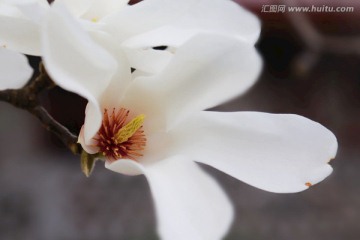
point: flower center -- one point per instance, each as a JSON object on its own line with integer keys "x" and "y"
{"x": 119, "y": 138}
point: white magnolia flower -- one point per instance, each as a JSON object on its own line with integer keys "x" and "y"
{"x": 15, "y": 70}
{"x": 20, "y": 24}
{"x": 136, "y": 28}
{"x": 155, "y": 125}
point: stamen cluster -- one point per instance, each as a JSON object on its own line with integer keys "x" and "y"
{"x": 108, "y": 141}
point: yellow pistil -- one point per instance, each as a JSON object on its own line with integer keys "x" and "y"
{"x": 129, "y": 129}
{"x": 94, "y": 19}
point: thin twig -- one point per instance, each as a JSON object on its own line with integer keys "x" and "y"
{"x": 69, "y": 139}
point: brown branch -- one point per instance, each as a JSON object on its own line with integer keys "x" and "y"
{"x": 27, "y": 98}
{"x": 317, "y": 42}
{"x": 69, "y": 139}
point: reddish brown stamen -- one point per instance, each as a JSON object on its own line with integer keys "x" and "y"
{"x": 106, "y": 137}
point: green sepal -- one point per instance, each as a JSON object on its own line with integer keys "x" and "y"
{"x": 87, "y": 162}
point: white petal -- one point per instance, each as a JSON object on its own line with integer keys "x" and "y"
{"x": 9, "y": 9}
{"x": 275, "y": 152}
{"x": 146, "y": 15}
{"x": 189, "y": 203}
{"x": 205, "y": 72}
{"x": 34, "y": 10}
{"x": 205, "y": 16}
{"x": 150, "y": 60}
{"x": 126, "y": 167}
{"x": 15, "y": 70}
{"x": 88, "y": 147}
{"x": 20, "y": 34}
{"x": 121, "y": 79}
{"x": 101, "y": 9}
{"x": 76, "y": 63}
{"x": 19, "y": 24}
{"x": 19, "y": 2}
{"x": 76, "y": 7}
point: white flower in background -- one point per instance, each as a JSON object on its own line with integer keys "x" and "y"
{"x": 21, "y": 20}
{"x": 20, "y": 24}
{"x": 15, "y": 70}
{"x": 156, "y": 125}
{"x": 136, "y": 29}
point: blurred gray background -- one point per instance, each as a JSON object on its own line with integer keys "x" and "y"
{"x": 45, "y": 196}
